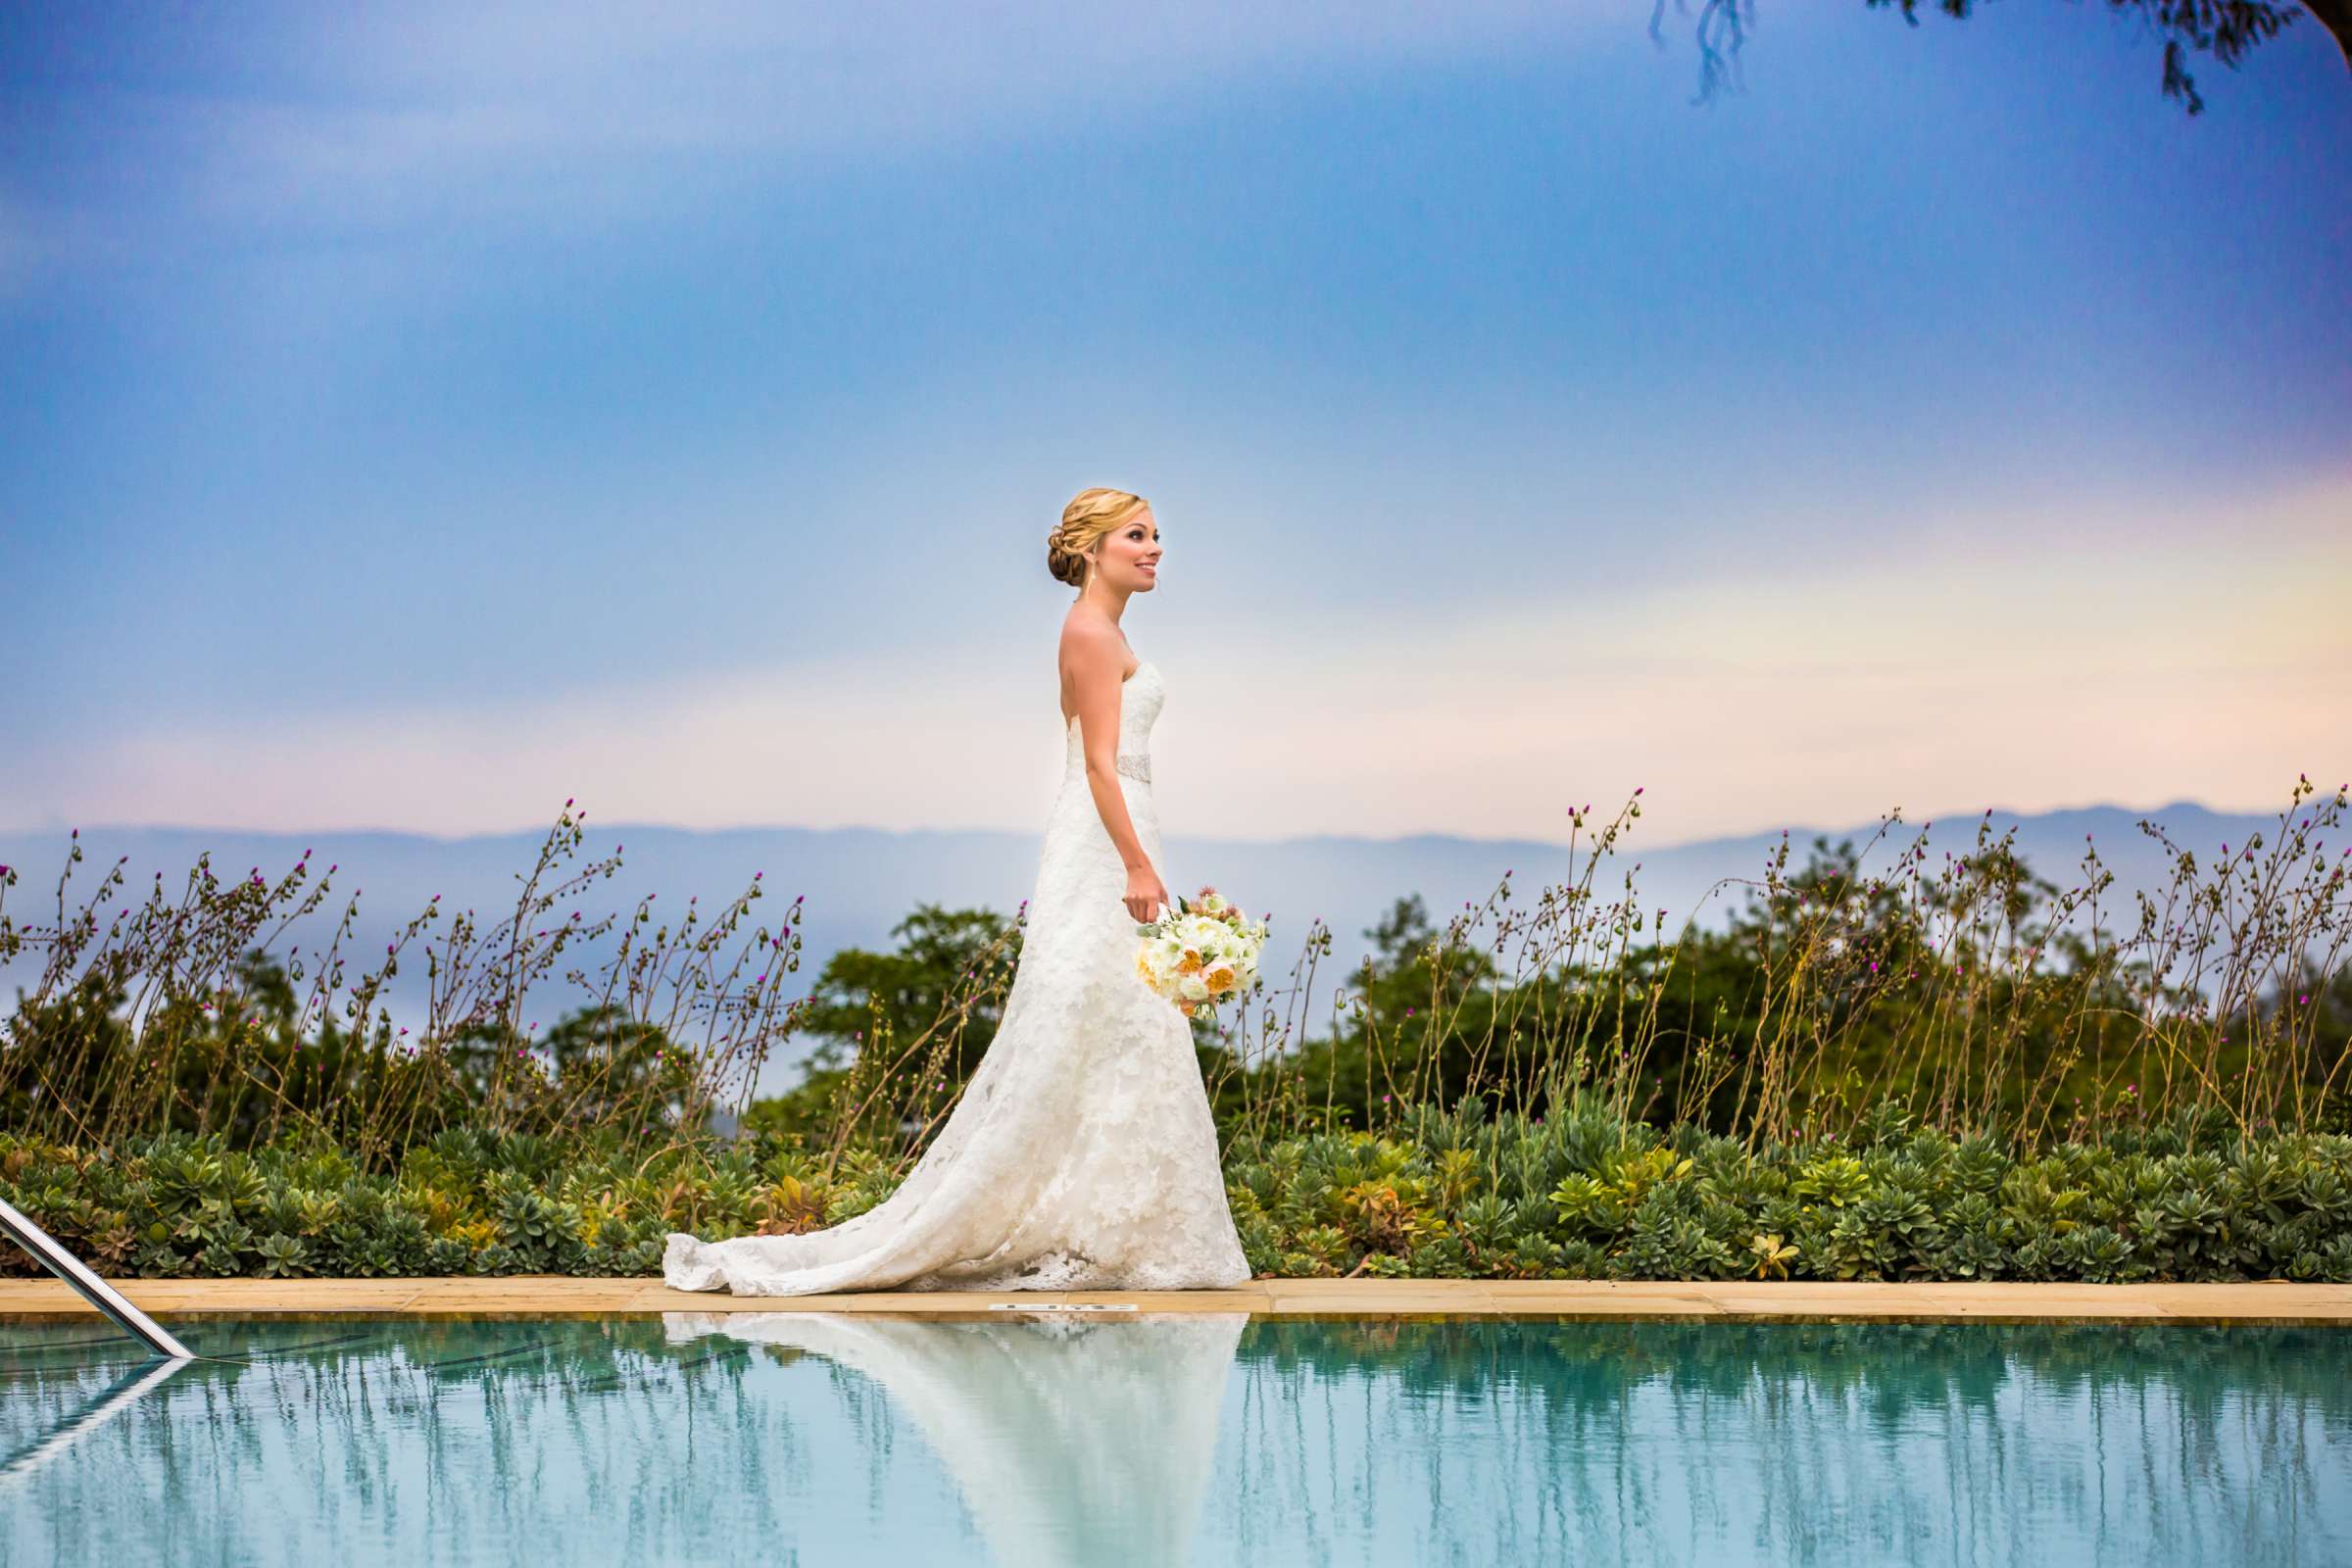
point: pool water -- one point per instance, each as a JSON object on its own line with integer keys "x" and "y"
{"x": 800, "y": 1438}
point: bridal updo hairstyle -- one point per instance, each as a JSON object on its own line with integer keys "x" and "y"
{"x": 1089, "y": 515}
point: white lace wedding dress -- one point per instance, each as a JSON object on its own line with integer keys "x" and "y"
{"x": 1082, "y": 1154}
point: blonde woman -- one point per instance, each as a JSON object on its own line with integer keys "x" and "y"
{"x": 1082, "y": 1154}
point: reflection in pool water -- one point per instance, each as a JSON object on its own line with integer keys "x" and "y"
{"x": 820, "y": 1438}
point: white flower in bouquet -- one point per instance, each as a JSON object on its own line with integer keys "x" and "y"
{"x": 1200, "y": 954}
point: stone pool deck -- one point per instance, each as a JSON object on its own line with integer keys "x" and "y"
{"x": 538, "y": 1295}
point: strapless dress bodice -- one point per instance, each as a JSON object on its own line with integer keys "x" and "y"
{"x": 1139, "y": 697}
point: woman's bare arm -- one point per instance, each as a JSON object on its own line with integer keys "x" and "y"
{"x": 1092, "y": 659}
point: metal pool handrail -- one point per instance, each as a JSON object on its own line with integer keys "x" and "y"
{"x": 93, "y": 1290}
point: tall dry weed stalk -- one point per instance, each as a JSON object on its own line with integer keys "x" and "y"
{"x": 1980, "y": 996}
{"x": 172, "y": 1013}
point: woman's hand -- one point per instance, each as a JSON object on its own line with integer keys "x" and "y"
{"x": 1145, "y": 894}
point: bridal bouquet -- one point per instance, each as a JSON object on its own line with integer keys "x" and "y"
{"x": 1202, "y": 952}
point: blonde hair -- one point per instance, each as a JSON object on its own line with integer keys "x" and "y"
{"x": 1089, "y": 515}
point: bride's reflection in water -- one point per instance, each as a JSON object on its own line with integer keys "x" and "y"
{"x": 1073, "y": 1436}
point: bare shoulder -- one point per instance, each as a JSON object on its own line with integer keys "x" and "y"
{"x": 1090, "y": 644}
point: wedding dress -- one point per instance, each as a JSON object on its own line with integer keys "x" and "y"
{"x": 1082, "y": 1154}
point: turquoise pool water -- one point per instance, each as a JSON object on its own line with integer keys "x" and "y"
{"x": 795, "y": 1438}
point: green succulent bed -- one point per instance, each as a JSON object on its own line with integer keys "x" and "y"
{"x": 1581, "y": 1195}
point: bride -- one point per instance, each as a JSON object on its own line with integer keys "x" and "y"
{"x": 1082, "y": 1154}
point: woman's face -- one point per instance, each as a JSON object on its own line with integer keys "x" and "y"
{"x": 1128, "y": 558}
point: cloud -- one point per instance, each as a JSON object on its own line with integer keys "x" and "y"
{"x": 2129, "y": 655}
{"x": 2064, "y": 673}
{"x": 354, "y": 121}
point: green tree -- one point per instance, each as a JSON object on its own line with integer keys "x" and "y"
{"x": 875, "y": 1005}
{"x": 2217, "y": 29}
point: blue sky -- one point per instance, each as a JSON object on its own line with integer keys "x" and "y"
{"x": 410, "y": 416}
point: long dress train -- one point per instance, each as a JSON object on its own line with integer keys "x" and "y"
{"x": 1082, "y": 1154}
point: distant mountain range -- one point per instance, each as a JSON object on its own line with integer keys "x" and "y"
{"x": 860, "y": 882}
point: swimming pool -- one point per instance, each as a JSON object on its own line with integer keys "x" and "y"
{"x": 803, "y": 1438}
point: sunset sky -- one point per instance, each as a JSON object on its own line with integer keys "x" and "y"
{"x": 413, "y": 415}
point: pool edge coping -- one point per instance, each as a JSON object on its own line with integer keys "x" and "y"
{"x": 2273, "y": 1301}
